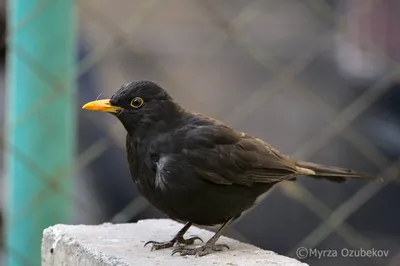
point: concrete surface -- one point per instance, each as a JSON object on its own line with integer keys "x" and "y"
{"x": 122, "y": 245}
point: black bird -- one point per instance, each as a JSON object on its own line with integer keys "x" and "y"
{"x": 196, "y": 169}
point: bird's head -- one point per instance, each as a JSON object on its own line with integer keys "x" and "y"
{"x": 139, "y": 105}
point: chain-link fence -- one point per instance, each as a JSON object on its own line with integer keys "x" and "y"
{"x": 316, "y": 79}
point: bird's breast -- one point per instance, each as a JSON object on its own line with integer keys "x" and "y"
{"x": 171, "y": 182}
{"x": 141, "y": 167}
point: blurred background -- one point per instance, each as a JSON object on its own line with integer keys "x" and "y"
{"x": 318, "y": 79}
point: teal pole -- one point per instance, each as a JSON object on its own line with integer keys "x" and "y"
{"x": 41, "y": 63}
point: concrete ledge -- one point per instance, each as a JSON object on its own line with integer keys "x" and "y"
{"x": 122, "y": 245}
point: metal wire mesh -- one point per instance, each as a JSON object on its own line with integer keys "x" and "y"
{"x": 271, "y": 68}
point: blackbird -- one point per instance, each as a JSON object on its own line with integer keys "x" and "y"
{"x": 196, "y": 169}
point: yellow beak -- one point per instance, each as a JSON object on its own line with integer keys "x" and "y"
{"x": 102, "y": 106}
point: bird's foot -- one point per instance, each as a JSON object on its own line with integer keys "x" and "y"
{"x": 190, "y": 241}
{"x": 167, "y": 244}
{"x": 200, "y": 251}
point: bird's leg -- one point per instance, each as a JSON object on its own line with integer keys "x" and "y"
{"x": 208, "y": 247}
{"x": 178, "y": 239}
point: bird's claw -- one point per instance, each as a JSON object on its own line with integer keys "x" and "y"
{"x": 160, "y": 245}
{"x": 189, "y": 241}
{"x": 167, "y": 244}
{"x": 199, "y": 251}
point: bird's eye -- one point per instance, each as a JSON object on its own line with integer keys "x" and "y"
{"x": 137, "y": 102}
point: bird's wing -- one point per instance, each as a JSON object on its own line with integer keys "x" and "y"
{"x": 222, "y": 155}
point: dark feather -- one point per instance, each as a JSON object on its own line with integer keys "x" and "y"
{"x": 195, "y": 168}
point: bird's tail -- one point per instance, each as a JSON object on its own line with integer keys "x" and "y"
{"x": 334, "y": 174}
